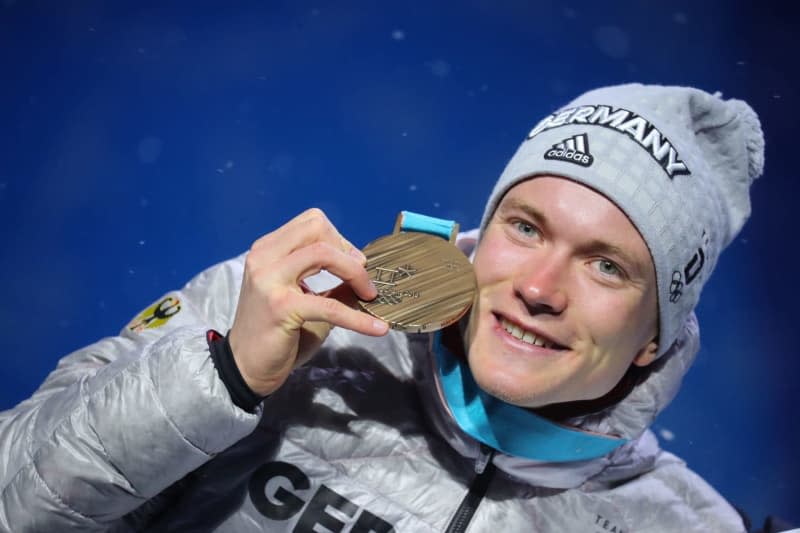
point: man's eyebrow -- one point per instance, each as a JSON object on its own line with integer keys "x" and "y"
{"x": 514, "y": 204}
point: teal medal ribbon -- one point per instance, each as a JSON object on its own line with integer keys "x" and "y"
{"x": 440, "y": 227}
{"x": 509, "y": 428}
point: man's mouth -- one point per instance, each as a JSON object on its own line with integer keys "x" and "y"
{"x": 528, "y": 337}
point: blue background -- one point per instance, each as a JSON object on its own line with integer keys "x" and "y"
{"x": 141, "y": 142}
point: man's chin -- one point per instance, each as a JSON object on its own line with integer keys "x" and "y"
{"x": 506, "y": 388}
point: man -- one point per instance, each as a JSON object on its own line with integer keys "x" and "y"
{"x": 530, "y": 414}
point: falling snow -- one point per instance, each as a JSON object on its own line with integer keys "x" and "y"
{"x": 667, "y": 435}
{"x": 439, "y": 68}
{"x": 398, "y": 35}
{"x": 228, "y": 165}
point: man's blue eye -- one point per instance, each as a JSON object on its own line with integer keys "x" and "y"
{"x": 608, "y": 268}
{"x": 526, "y": 229}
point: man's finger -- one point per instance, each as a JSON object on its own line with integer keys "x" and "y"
{"x": 311, "y": 259}
{"x": 313, "y": 308}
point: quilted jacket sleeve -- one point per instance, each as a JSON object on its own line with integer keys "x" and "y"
{"x": 122, "y": 419}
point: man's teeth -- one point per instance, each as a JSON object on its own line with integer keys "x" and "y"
{"x": 525, "y": 336}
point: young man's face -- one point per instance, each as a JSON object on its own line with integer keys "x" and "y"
{"x": 560, "y": 265}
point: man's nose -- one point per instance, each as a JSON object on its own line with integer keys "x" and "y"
{"x": 542, "y": 285}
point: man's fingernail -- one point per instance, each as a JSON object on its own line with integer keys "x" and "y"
{"x": 380, "y": 326}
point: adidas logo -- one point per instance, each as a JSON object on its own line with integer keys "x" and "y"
{"x": 572, "y": 150}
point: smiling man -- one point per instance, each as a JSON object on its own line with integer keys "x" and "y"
{"x": 567, "y": 297}
{"x": 530, "y": 414}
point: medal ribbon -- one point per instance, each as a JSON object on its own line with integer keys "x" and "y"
{"x": 424, "y": 224}
{"x": 509, "y": 428}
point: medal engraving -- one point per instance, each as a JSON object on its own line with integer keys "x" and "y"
{"x": 424, "y": 282}
{"x": 386, "y": 281}
{"x": 395, "y": 297}
{"x": 387, "y": 277}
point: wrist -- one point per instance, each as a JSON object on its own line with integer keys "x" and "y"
{"x": 242, "y": 392}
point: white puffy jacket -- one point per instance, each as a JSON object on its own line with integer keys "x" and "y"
{"x": 138, "y": 433}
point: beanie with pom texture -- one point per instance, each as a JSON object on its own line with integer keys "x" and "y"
{"x": 677, "y": 161}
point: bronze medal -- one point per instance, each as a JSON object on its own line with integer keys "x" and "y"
{"x": 424, "y": 282}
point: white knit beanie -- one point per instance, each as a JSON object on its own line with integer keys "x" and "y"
{"x": 678, "y": 161}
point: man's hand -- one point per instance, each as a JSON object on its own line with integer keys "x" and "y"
{"x": 279, "y": 326}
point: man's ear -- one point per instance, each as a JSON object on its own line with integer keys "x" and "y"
{"x": 647, "y": 354}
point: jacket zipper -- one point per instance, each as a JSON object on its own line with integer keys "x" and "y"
{"x": 484, "y": 469}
